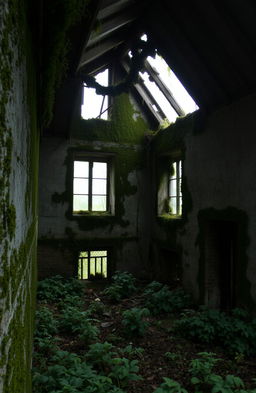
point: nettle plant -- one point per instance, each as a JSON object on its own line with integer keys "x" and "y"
{"x": 54, "y": 289}
{"x": 123, "y": 286}
{"x": 67, "y": 372}
{"x": 165, "y": 301}
{"x": 133, "y": 321}
{"x": 204, "y": 380}
{"x": 235, "y": 332}
{"x": 74, "y": 321}
{"x": 153, "y": 287}
{"x": 121, "y": 370}
{"x": 46, "y": 324}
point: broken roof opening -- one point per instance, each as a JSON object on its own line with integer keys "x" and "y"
{"x": 157, "y": 85}
{"x": 166, "y": 95}
{"x": 95, "y": 105}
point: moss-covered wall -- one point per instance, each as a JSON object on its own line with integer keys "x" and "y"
{"x": 124, "y": 139}
{"x": 18, "y": 197}
{"x": 219, "y": 167}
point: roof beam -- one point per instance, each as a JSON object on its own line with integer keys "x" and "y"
{"x": 114, "y": 8}
{"x": 147, "y": 97}
{"x": 113, "y": 42}
{"x": 111, "y": 25}
{"x": 164, "y": 89}
{"x": 98, "y": 50}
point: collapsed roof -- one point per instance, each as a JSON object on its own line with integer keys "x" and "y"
{"x": 210, "y": 45}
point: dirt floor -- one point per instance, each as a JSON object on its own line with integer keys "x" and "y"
{"x": 155, "y": 343}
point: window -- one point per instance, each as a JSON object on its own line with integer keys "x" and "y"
{"x": 174, "y": 188}
{"x": 90, "y": 186}
{"x": 92, "y": 264}
{"x": 95, "y": 105}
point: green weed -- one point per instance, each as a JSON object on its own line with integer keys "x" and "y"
{"x": 133, "y": 322}
{"x": 204, "y": 380}
{"x": 123, "y": 286}
{"x": 170, "y": 386}
{"x": 235, "y": 332}
{"x": 73, "y": 321}
{"x": 68, "y": 373}
{"x": 172, "y": 356}
{"x": 129, "y": 350}
{"x": 54, "y": 289}
{"x": 46, "y": 324}
{"x": 166, "y": 301}
{"x": 152, "y": 287}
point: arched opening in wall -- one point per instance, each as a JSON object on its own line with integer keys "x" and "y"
{"x": 93, "y": 265}
{"x": 220, "y": 239}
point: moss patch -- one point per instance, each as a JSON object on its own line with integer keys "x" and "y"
{"x": 121, "y": 128}
{"x": 17, "y": 276}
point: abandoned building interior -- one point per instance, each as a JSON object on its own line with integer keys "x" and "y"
{"x": 156, "y": 182}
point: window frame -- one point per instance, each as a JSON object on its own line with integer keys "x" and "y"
{"x": 89, "y": 257}
{"x": 91, "y": 158}
{"x": 178, "y": 195}
{"x": 164, "y": 165}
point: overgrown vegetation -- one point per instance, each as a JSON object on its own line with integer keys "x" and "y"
{"x": 235, "y": 332}
{"x": 82, "y": 347}
{"x": 162, "y": 300}
{"x": 123, "y": 285}
{"x": 134, "y": 322}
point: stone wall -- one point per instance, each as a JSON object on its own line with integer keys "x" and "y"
{"x": 125, "y": 230}
{"x": 215, "y": 236}
{"x": 18, "y": 199}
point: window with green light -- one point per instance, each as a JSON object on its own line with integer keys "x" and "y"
{"x": 93, "y": 264}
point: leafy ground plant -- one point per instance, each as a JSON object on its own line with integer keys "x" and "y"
{"x": 101, "y": 355}
{"x": 236, "y": 332}
{"x": 204, "y": 380}
{"x": 68, "y": 373}
{"x": 166, "y": 301}
{"x": 63, "y": 362}
{"x": 54, "y": 289}
{"x": 72, "y": 320}
{"x": 123, "y": 286}
{"x": 46, "y": 324}
{"x": 170, "y": 386}
{"x": 133, "y": 321}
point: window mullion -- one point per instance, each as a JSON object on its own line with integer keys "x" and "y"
{"x": 89, "y": 263}
{"x": 90, "y": 185}
{"x": 178, "y": 187}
